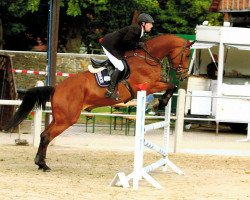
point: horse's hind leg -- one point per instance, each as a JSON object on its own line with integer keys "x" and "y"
{"x": 47, "y": 136}
{"x": 66, "y": 105}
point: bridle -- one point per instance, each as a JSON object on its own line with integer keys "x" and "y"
{"x": 180, "y": 70}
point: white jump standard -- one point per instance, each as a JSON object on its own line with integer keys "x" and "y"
{"x": 139, "y": 171}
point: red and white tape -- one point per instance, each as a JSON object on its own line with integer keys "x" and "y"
{"x": 22, "y": 71}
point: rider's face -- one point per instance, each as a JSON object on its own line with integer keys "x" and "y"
{"x": 148, "y": 27}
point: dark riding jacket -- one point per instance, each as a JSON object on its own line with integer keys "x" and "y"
{"x": 125, "y": 39}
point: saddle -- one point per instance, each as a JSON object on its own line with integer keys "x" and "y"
{"x": 103, "y": 77}
{"x": 100, "y": 63}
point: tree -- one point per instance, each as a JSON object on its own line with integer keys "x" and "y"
{"x": 13, "y": 14}
{"x": 101, "y": 17}
{"x": 82, "y": 22}
{"x": 182, "y": 16}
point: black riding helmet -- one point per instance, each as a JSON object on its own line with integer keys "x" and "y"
{"x": 144, "y": 17}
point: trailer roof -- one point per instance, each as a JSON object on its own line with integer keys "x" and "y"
{"x": 221, "y": 34}
{"x": 202, "y": 45}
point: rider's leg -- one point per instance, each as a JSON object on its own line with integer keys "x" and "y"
{"x": 115, "y": 76}
{"x": 113, "y": 82}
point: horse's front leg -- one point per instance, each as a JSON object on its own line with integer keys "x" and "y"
{"x": 166, "y": 96}
{"x": 169, "y": 89}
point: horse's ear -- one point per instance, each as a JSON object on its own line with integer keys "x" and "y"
{"x": 190, "y": 44}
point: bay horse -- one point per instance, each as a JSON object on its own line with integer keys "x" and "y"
{"x": 81, "y": 91}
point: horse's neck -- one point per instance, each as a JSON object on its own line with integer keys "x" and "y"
{"x": 161, "y": 46}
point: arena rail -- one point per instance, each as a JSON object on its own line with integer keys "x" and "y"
{"x": 38, "y": 117}
{"x": 179, "y": 124}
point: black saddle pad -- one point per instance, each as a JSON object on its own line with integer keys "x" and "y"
{"x": 103, "y": 78}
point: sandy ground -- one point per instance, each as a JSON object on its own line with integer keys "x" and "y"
{"x": 83, "y": 165}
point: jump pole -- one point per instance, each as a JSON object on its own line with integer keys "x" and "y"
{"x": 139, "y": 171}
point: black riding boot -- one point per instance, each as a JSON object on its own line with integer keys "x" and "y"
{"x": 111, "y": 88}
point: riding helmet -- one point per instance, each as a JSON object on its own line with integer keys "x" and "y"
{"x": 144, "y": 17}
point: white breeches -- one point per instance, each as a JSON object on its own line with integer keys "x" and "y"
{"x": 116, "y": 62}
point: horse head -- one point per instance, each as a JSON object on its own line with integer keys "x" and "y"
{"x": 179, "y": 57}
{"x": 175, "y": 48}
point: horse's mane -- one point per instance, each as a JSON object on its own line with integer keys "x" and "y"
{"x": 166, "y": 38}
{"x": 163, "y": 35}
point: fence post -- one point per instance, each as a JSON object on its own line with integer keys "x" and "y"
{"x": 37, "y": 122}
{"x": 167, "y": 129}
{"x": 139, "y": 137}
{"x": 179, "y": 123}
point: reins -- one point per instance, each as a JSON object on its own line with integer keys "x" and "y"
{"x": 155, "y": 59}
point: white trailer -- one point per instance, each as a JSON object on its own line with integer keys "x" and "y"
{"x": 232, "y": 45}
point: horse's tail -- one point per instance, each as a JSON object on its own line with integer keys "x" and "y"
{"x": 34, "y": 97}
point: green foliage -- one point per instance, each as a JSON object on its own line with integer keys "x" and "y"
{"x": 73, "y": 8}
{"x": 183, "y": 15}
{"x": 104, "y": 16}
{"x": 95, "y": 18}
{"x": 16, "y": 28}
{"x": 77, "y": 8}
{"x": 147, "y": 5}
{"x": 33, "y": 5}
{"x": 12, "y": 11}
{"x": 20, "y": 7}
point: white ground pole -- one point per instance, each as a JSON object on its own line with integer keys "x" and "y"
{"x": 140, "y": 171}
{"x": 37, "y": 121}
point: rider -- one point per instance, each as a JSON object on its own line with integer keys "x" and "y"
{"x": 115, "y": 45}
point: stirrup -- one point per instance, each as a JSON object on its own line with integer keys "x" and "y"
{"x": 115, "y": 96}
{"x": 112, "y": 95}
{"x": 108, "y": 93}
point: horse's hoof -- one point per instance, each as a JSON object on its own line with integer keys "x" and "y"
{"x": 46, "y": 169}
